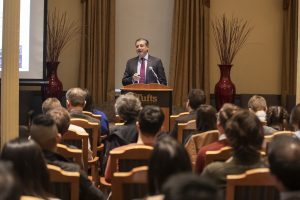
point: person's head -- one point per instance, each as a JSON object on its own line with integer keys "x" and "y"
{"x": 196, "y": 97}
{"x": 283, "y": 156}
{"x": 75, "y": 98}
{"x": 50, "y": 103}
{"x": 244, "y": 133}
{"x": 44, "y": 132}
{"x": 142, "y": 47}
{"x": 295, "y": 117}
{"x": 9, "y": 183}
{"x": 277, "y": 117}
{"x": 61, "y": 118}
{"x": 188, "y": 186}
{"x": 257, "y": 103}
{"x": 29, "y": 166}
{"x": 150, "y": 120}
{"x": 128, "y": 106}
{"x": 206, "y": 118}
{"x": 224, "y": 114}
{"x": 168, "y": 158}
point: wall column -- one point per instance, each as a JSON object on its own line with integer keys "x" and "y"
{"x": 10, "y": 71}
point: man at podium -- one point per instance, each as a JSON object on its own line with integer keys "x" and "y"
{"x": 144, "y": 68}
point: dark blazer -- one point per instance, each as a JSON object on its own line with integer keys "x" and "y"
{"x": 155, "y": 63}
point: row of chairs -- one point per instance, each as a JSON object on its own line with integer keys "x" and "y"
{"x": 253, "y": 184}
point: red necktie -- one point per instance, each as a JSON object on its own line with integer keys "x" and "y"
{"x": 142, "y": 71}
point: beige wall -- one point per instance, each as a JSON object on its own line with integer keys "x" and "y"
{"x": 69, "y": 60}
{"x": 256, "y": 68}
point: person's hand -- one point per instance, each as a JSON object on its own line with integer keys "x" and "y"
{"x": 136, "y": 77}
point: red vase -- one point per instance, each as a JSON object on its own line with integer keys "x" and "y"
{"x": 54, "y": 87}
{"x": 224, "y": 89}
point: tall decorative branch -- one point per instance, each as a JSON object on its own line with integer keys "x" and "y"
{"x": 230, "y": 35}
{"x": 60, "y": 31}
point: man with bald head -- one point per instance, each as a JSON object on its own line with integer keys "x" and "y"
{"x": 284, "y": 160}
{"x": 44, "y": 131}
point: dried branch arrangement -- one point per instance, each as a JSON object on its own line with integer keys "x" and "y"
{"x": 230, "y": 36}
{"x": 60, "y": 31}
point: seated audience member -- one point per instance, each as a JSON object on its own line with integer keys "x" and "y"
{"x": 225, "y": 113}
{"x": 127, "y": 107}
{"x": 44, "y": 132}
{"x": 75, "y": 98}
{"x": 205, "y": 121}
{"x": 10, "y": 188}
{"x": 148, "y": 125}
{"x": 258, "y": 105}
{"x": 89, "y": 106}
{"x": 29, "y": 166}
{"x": 50, "y": 103}
{"x": 188, "y": 186}
{"x": 277, "y": 118}
{"x": 61, "y": 118}
{"x": 168, "y": 158}
{"x": 295, "y": 120}
{"x": 244, "y": 133}
{"x": 196, "y": 98}
{"x": 283, "y": 156}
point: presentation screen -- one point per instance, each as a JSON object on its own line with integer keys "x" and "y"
{"x": 31, "y": 45}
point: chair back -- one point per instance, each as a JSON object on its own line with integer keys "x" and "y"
{"x": 75, "y": 155}
{"x": 185, "y": 130}
{"x": 268, "y": 138}
{"x": 174, "y": 117}
{"x": 199, "y": 140}
{"x": 92, "y": 115}
{"x": 220, "y": 155}
{"x": 253, "y": 184}
{"x": 79, "y": 140}
{"x": 93, "y": 130}
{"x": 130, "y": 185}
{"x": 65, "y": 184}
{"x": 128, "y": 157}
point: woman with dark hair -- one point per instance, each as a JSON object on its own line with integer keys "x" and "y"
{"x": 168, "y": 158}
{"x": 206, "y": 118}
{"x": 277, "y": 118}
{"x": 244, "y": 133}
{"x": 29, "y": 166}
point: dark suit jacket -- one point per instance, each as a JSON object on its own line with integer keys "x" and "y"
{"x": 155, "y": 63}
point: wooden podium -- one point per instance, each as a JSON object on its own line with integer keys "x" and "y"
{"x": 153, "y": 94}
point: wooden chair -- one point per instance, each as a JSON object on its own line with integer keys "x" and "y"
{"x": 125, "y": 159}
{"x": 23, "y": 197}
{"x": 130, "y": 156}
{"x": 59, "y": 176}
{"x": 82, "y": 140}
{"x": 73, "y": 154}
{"x": 268, "y": 138}
{"x": 92, "y": 115}
{"x": 220, "y": 155}
{"x": 130, "y": 185}
{"x": 184, "y": 129}
{"x": 94, "y": 133}
{"x": 253, "y": 184}
{"x": 174, "y": 117}
{"x": 199, "y": 140}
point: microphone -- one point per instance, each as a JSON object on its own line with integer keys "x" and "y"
{"x": 151, "y": 68}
